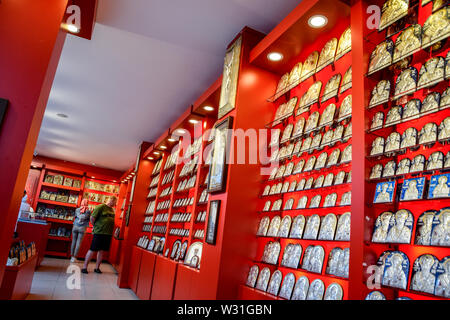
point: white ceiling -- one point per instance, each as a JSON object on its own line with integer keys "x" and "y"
{"x": 148, "y": 60}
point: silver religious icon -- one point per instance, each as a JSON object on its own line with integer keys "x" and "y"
{"x": 275, "y": 137}
{"x": 302, "y": 202}
{"x": 275, "y": 282}
{"x": 381, "y": 57}
{"x": 307, "y": 257}
{"x": 297, "y": 147}
{"x": 401, "y": 227}
{"x": 283, "y": 83}
{"x": 431, "y": 72}
{"x": 440, "y": 235}
{"x": 346, "y": 80}
{"x": 309, "y": 183}
{"x": 338, "y": 133}
{"x": 279, "y": 188}
{"x": 266, "y": 190}
{"x": 287, "y": 133}
{"x": 345, "y": 43}
{"x": 435, "y": 161}
{"x": 377, "y": 121}
{"x": 263, "y": 226}
{"x": 445, "y": 97}
{"x": 316, "y": 260}
{"x": 339, "y": 178}
{"x": 409, "y": 138}
{"x": 315, "y": 201}
{"x": 403, "y": 166}
{"x": 288, "y": 171}
{"x": 279, "y": 114}
{"x": 393, "y": 116}
{"x": 392, "y": 142}
{"x": 442, "y": 286}
{"x": 289, "y": 204}
{"x": 274, "y": 226}
{"x": 297, "y": 227}
{"x": 285, "y": 187}
{"x": 252, "y": 276}
{"x": 343, "y": 267}
{"x": 377, "y": 146}
{"x": 318, "y": 183}
{"x": 327, "y": 115}
{"x": 273, "y": 174}
{"x": 447, "y": 160}
{"x": 309, "y": 166}
{"x": 424, "y": 273}
{"x": 275, "y": 156}
{"x": 294, "y": 75}
{"x": 312, "y": 227}
{"x": 376, "y": 171}
{"x": 309, "y": 66}
{"x": 321, "y": 161}
{"x": 290, "y": 107}
{"x": 280, "y": 172}
{"x": 310, "y": 97}
{"x": 306, "y": 145}
{"x": 301, "y": 185}
{"x": 392, "y": 11}
{"x": 332, "y": 87}
{"x": 327, "y": 54}
{"x": 296, "y": 254}
{"x": 389, "y": 169}
{"x": 292, "y": 186}
{"x": 408, "y": 42}
{"x": 267, "y": 205}
{"x": 436, "y": 28}
{"x": 287, "y": 254}
{"x": 447, "y": 65}
{"x": 396, "y": 270}
{"x": 315, "y": 144}
{"x": 328, "y": 180}
{"x": 301, "y": 289}
{"x": 299, "y": 167}
{"x": 328, "y": 227}
{"x": 346, "y": 199}
{"x": 428, "y": 134}
{"x": 444, "y": 129}
{"x": 347, "y": 154}
{"x": 384, "y": 192}
{"x": 380, "y": 93}
{"x": 431, "y": 103}
{"x": 313, "y": 120}
{"x": 334, "y": 292}
{"x": 417, "y": 164}
{"x": 263, "y": 279}
{"x": 334, "y": 157}
{"x": 277, "y": 205}
{"x": 343, "y": 227}
{"x": 406, "y": 82}
{"x": 333, "y": 261}
{"x": 411, "y": 110}
{"x": 288, "y": 286}
{"x": 316, "y": 290}
{"x": 330, "y": 200}
{"x": 375, "y": 295}
{"x": 285, "y": 226}
{"x": 345, "y": 110}
{"x": 298, "y": 129}
{"x": 327, "y": 138}
{"x": 266, "y": 252}
{"x": 274, "y": 253}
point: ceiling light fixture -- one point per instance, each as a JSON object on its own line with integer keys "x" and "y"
{"x": 171, "y": 140}
{"x": 208, "y": 108}
{"x": 150, "y": 158}
{"x": 180, "y": 131}
{"x": 193, "y": 121}
{"x": 72, "y": 28}
{"x": 62, "y": 115}
{"x": 163, "y": 147}
{"x": 156, "y": 152}
{"x": 275, "y": 56}
{"x": 318, "y": 21}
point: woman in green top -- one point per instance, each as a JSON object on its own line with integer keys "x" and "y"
{"x": 103, "y": 221}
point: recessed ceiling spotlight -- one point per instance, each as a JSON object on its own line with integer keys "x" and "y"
{"x": 193, "y": 121}
{"x": 180, "y": 131}
{"x": 34, "y": 167}
{"x": 318, "y": 21}
{"x": 72, "y": 28}
{"x": 93, "y": 163}
{"x": 62, "y": 115}
{"x": 150, "y": 158}
{"x": 163, "y": 147}
{"x": 208, "y": 108}
{"x": 156, "y": 152}
{"x": 275, "y": 56}
{"x": 93, "y": 177}
{"x": 171, "y": 140}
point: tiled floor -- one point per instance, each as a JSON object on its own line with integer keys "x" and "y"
{"x": 52, "y": 282}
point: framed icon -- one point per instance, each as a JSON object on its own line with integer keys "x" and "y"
{"x": 213, "y": 216}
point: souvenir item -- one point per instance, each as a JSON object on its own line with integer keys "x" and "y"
{"x": 347, "y": 154}
{"x": 327, "y": 138}
{"x": 412, "y": 109}
{"x": 389, "y": 169}
{"x": 279, "y": 188}
{"x": 297, "y": 227}
{"x": 345, "y": 43}
{"x": 289, "y": 204}
{"x": 277, "y": 205}
{"x": 316, "y": 141}
{"x": 334, "y": 292}
{"x": 280, "y": 172}
{"x": 442, "y": 286}
{"x": 380, "y": 94}
{"x": 310, "y": 97}
{"x": 412, "y": 189}
{"x": 302, "y": 202}
{"x": 392, "y": 142}
{"x": 401, "y": 226}
{"x": 376, "y": 171}
{"x": 347, "y": 80}
{"x": 345, "y": 109}
{"x": 183, "y": 250}
{"x": 431, "y": 103}
{"x": 297, "y": 147}
{"x": 334, "y": 258}
{"x": 444, "y": 129}
{"x": 319, "y": 182}
{"x": 328, "y": 227}
{"x": 298, "y": 129}
{"x": 394, "y": 116}
{"x": 377, "y": 146}
{"x": 275, "y": 282}
{"x": 306, "y": 144}
{"x": 447, "y": 160}
{"x": 294, "y": 76}
{"x": 396, "y": 270}
{"x": 283, "y": 83}
{"x": 332, "y": 87}
{"x": 435, "y": 161}
{"x": 431, "y": 72}
{"x": 288, "y": 286}
{"x": 381, "y": 57}
{"x": 289, "y": 169}
{"x": 68, "y": 182}
{"x": 327, "y": 54}
{"x": 346, "y": 199}
{"x": 406, "y": 82}
{"x": 408, "y": 42}
{"x": 327, "y": 115}
{"x": 375, "y": 295}
{"x": 403, "y": 166}
{"x": 392, "y": 11}
{"x": 292, "y": 186}
{"x": 334, "y": 157}
{"x": 230, "y": 78}
{"x": 267, "y": 206}
{"x": 445, "y": 98}
{"x": 348, "y": 131}
{"x": 299, "y": 167}
{"x": 285, "y": 187}
{"x": 330, "y": 200}
{"x": 266, "y": 190}
{"x": 309, "y": 66}
{"x": 301, "y": 289}
{"x": 312, "y": 227}
{"x": 424, "y": 273}
{"x": 440, "y": 235}
{"x": 339, "y": 178}
{"x": 275, "y": 138}
{"x": 252, "y": 276}
{"x": 310, "y": 164}
{"x": 263, "y": 279}
{"x": 328, "y": 180}
{"x": 321, "y": 160}
{"x": 263, "y": 226}
{"x": 343, "y": 228}
{"x": 315, "y": 201}
{"x": 418, "y": 164}
{"x": 338, "y": 133}
{"x": 311, "y": 123}
{"x": 428, "y": 134}
{"x": 384, "y": 192}
{"x": 409, "y": 138}
{"x": 292, "y": 255}
{"x": 316, "y": 290}
{"x": 48, "y": 179}
{"x": 58, "y": 179}
{"x": 436, "y": 28}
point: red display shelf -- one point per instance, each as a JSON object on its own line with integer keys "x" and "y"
{"x": 53, "y": 220}
{"x": 56, "y": 203}
{"x": 56, "y": 238}
{"x": 100, "y": 192}
{"x": 45, "y": 184}
{"x": 16, "y": 283}
{"x": 57, "y": 254}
